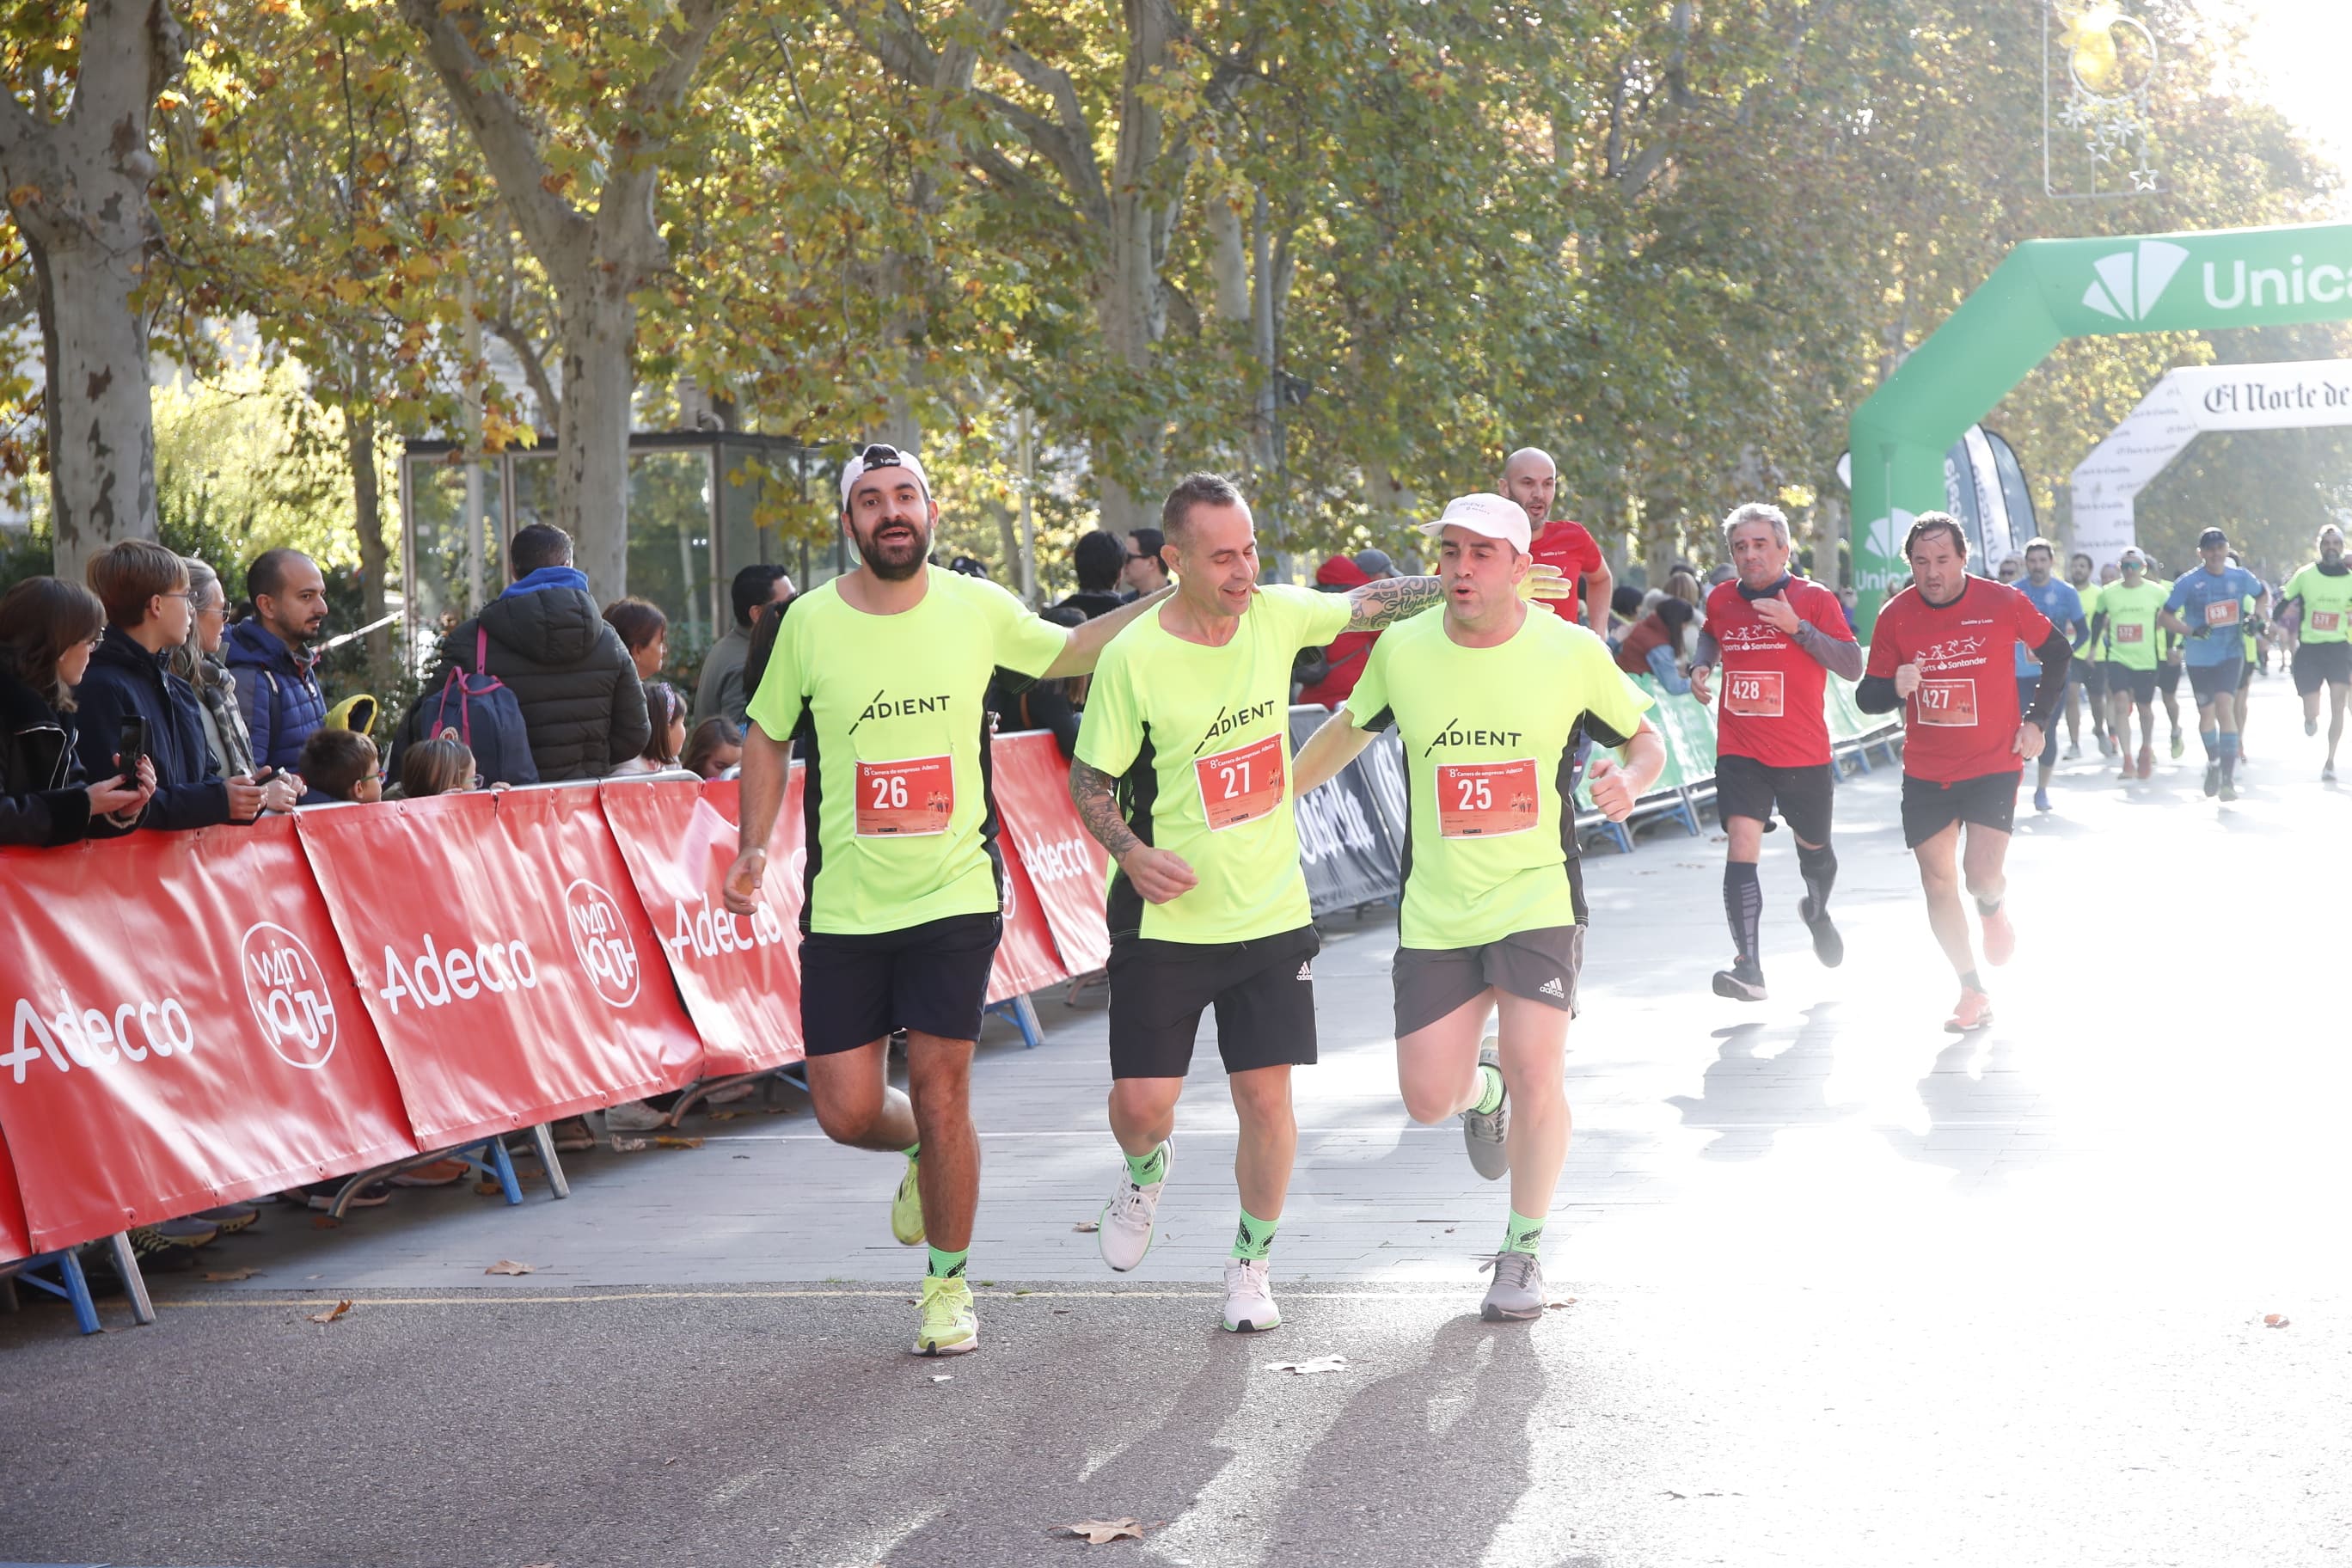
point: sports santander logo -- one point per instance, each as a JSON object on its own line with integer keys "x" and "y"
{"x": 601, "y": 939}
{"x": 288, "y": 991}
{"x": 2127, "y": 284}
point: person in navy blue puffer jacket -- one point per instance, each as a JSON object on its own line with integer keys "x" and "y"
{"x": 268, "y": 654}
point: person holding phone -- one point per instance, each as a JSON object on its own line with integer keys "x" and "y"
{"x": 47, "y": 628}
{"x": 148, "y": 609}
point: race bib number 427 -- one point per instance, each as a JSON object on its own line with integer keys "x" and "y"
{"x": 909, "y": 799}
{"x": 1486, "y": 800}
{"x": 1240, "y": 785}
{"x": 1947, "y": 704}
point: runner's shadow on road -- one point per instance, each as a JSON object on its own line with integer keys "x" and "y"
{"x": 1746, "y": 1099}
{"x": 1973, "y": 1106}
{"x": 1423, "y": 1461}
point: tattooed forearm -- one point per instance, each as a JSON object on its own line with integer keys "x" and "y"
{"x": 1091, "y": 790}
{"x": 1391, "y": 600}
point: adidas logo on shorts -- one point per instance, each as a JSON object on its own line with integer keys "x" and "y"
{"x": 1552, "y": 988}
{"x": 1307, "y": 969}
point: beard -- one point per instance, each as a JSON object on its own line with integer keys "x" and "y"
{"x": 897, "y": 558}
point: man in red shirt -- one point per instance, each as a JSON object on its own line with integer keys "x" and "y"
{"x": 1776, "y": 637}
{"x": 1945, "y": 652}
{"x": 1532, "y": 479}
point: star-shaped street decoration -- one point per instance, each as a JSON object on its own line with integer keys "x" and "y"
{"x": 2143, "y": 180}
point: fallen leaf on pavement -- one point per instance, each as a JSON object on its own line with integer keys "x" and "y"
{"x": 1086, "y": 1226}
{"x": 1103, "y": 1532}
{"x": 508, "y": 1266}
{"x": 2274, "y": 1319}
{"x": 324, "y": 1222}
{"x": 228, "y": 1275}
{"x": 1563, "y": 1301}
{"x": 627, "y": 1145}
{"x": 332, "y": 1313}
{"x": 667, "y": 1142}
{"x": 1320, "y": 1363}
{"x": 728, "y": 1115}
{"x": 489, "y": 1189}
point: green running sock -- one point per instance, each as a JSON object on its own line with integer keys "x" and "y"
{"x": 1145, "y": 1169}
{"x": 1254, "y": 1238}
{"x": 1521, "y": 1234}
{"x": 1490, "y": 1089}
{"x": 914, "y": 1151}
{"x": 947, "y": 1265}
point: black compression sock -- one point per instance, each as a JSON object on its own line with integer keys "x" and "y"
{"x": 1819, "y": 868}
{"x": 1743, "y": 905}
{"x": 1988, "y": 909}
{"x": 1970, "y": 981}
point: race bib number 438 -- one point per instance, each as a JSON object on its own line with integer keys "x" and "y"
{"x": 1754, "y": 693}
{"x": 1486, "y": 800}
{"x": 909, "y": 799}
{"x": 1240, "y": 785}
{"x": 1947, "y": 704}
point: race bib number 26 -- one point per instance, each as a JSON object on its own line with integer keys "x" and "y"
{"x": 1947, "y": 704}
{"x": 911, "y": 799}
{"x": 1240, "y": 785}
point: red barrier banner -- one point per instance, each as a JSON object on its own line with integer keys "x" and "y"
{"x": 1026, "y": 959}
{"x": 741, "y": 977}
{"x": 1068, "y": 870}
{"x": 16, "y": 1236}
{"x": 500, "y": 945}
{"x": 183, "y": 1031}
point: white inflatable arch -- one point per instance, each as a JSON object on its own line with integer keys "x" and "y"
{"x": 2305, "y": 394}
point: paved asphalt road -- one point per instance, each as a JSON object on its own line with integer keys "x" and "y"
{"x": 1837, "y": 1290}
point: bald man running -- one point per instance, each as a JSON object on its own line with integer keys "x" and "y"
{"x": 1531, "y": 478}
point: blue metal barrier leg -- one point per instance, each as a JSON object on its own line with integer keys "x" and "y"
{"x": 502, "y": 1168}
{"x": 85, "y": 1311}
{"x": 1023, "y": 1015}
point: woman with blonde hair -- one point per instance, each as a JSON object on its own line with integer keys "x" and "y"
{"x": 199, "y": 662}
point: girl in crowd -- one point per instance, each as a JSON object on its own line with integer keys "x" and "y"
{"x": 47, "y": 628}
{"x": 714, "y": 751}
{"x": 666, "y": 713}
{"x": 644, "y": 631}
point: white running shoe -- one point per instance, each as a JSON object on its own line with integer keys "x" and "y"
{"x": 1124, "y": 1228}
{"x": 1249, "y": 1297}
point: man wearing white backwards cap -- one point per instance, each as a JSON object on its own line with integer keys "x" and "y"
{"x": 1489, "y": 702}
{"x": 885, "y": 670}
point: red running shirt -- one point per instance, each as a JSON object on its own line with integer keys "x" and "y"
{"x": 1572, "y": 548}
{"x": 1962, "y": 721}
{"x": 1768, "y": 692}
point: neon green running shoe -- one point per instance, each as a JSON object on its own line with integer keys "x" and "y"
{"x": 948, "y": 1325}
{"x": 907, "y": 1210}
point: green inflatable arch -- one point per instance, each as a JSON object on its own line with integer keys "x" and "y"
{"x": 2046, "y": 291}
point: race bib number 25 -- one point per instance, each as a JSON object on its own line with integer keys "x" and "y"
{"x": 1240, "y": 785}
{"x": 909, "y": 799}
{"x": 1486, "y": 800}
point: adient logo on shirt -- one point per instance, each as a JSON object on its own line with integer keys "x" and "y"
{"x": 1456, "y": 733}
{"x": 884, "y": 706}
{"x": 1226, "y": 723}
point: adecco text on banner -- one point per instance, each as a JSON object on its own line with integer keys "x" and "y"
{"x": 92, "y": 1036}
{"x": 438, "y": 978}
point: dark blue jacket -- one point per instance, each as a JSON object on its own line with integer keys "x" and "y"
{"x": 42, "y": 801}
{"x": 125, "y": 679}
{"x": 275, "y": 692}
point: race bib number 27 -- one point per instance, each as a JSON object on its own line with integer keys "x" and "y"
{"x": 1240, "y": 785}
{"x": 909, "y": 799}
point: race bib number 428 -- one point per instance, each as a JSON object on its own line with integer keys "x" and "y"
{"x": 909, "y": 799}
{"x": 1754, "y": 693}
{"x": 1240, "y": 785}
{"x": 1947, "y": 704}
{"x": 1486, "y": 800}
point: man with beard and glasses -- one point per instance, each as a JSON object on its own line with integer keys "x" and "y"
{"x": 884, "y": 675}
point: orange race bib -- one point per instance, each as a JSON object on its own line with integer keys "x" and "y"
{"x": 2222, "y": 612}
{"x": 2130, "y": 631}
{"x": 1754, "y": 693}
{"x": 911, "y": 799}
{"x": 2326, "y": 620}
{"x": 1486, "y": 800}
{"x": 1947, "y": 704}
{"x": 1240, "y": 785}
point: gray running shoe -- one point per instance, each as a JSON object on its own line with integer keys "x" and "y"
{"x": 1484, "y": 1135}
{"x": 1517, "y": 1293}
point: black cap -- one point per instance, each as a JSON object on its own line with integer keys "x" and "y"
{"x": 2212, "y": 537}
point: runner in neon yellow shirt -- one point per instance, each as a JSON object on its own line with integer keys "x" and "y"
{"x": 1489, "y": 702}
{"x": 2125, "y": 637}
{"x": 884, "y": 673}
{"x": 2087, "y": 674}
{"x": 2323, "y": 639}
{"x": 1183, "y": 774}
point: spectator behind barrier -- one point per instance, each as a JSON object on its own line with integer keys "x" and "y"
{"x": 666, "y": 714}
{"x": 645, "y": 632}
{"x": 1651, "y": 646}
{"x": 269, "y": 654}
{"x": 198, "y": 662}
{"x": 715, "y": 750}
{"x": 442, "y": 765}
{"x": 1343, "y": 662}
{"x": 1052, "y": 705}
{"x": 48, "y": 629}
{"x": 144, "y": 588}
{"x": 341, "y": 764}
{"x": 1098, "y": 558}
{"x": 723, "y": 692}
{"x": 584, "y": 706}
{"x": 1147, "y": 570}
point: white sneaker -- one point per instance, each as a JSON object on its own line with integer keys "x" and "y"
{"x": 1249, "y": 1297}
{"x": 635, "y": 1116}
{"x": 1124, "y": 1228}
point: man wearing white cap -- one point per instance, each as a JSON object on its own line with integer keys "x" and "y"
{"x": 1184, "y": 773}
{"x": 884, "y": 672}
{"x": 1490, "y": 702}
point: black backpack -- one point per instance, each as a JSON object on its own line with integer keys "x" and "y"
{"x": 483, "y": 713}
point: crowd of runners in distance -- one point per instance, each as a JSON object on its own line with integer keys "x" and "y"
{"x": 1500, "y": 692}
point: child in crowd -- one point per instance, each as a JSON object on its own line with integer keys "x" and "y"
{"x": 442, "y": 765}
{"x": 715, "y": 750}
{"x": 341, "y": 764}
{"x": 665, "y": 715}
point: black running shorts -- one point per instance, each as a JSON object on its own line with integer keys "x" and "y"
{"x": 1806, "y": 797}
{"x": 1263, "y": 992}
{"x": 932, "y": 977}
{"x": 1928, "y": 807}
{"x": 2140, "y": 683}
{"x": 2167, "y": 678}
{"x": 2206, "y": 681}
{"x": 1540, "y": 965}
{"x": 2318, "y": 664}
{"x": 2091, "y": 672}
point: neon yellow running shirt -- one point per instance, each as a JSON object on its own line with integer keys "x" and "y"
{"x": 2327, "y": 604}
